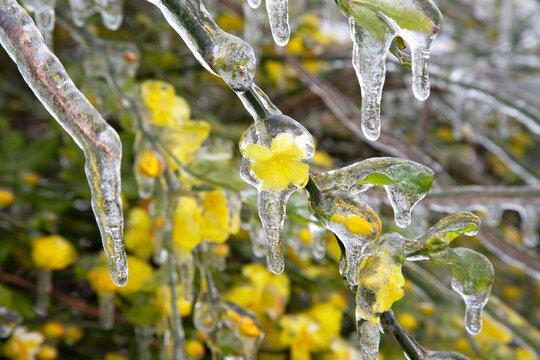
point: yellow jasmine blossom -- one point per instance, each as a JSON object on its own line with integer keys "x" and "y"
{"x": 281, "y": 165}
{"x": 214, "y": 221}
{"x": 47, "y": 352}
{"x": 23, "y": 345}
{"x": 139, "y": 272}
{"x": 187, "y": 218}
{"x": 162, "y": 302}
{"x": 344, "y": 350}
{"x": 114, "y": 356}
{"x": 167, "y": 108}
{"x": 322, "y": 160}
{"x": 53, "y": 330}
{"x": 493, "y": 333}
{"x": 52, "y": 252}
{"x": 328, "y": 317}
{"x": 31, "y": 179}
{"x": 185, "y": 140}
{"x": 73, "y": 334}
{"x": 523, "y": 354}
{"x": 100, "y": 280}
{"x": 381, "y": 284}
{"x": 139, "y": 233}
{"x": 249, "y": 328}
{"x": 354, "y": 223}
{"x": 407, "y": 321}
{"x": 229, "y": 21}
{"x": 6, "y": 198}
{"x": 305, "y": 236}
{"x": 194, "y": 349}
{"x": 298, "y": 331}
{"x": 149, "y": 164}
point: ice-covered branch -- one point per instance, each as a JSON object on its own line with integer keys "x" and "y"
{"x": 102, "y": 148}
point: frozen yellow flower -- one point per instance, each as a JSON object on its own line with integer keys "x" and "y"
{"x": 407, "y": 321}
{"x": 114, "y": 356}
{"x": 139, "y": 272}
{"x": 185, "y": 140}
{"x": 322, "y": 160}
{"x": 149, "y": 164}
{"x": 381, "y": 284}
{"x": 354, "y": 223}
{"x": 264, "y": 294}
{"x": 52, "y": 252}
{"x": 73, "y": 334}
{"x": 167, "y": 108}
{"x": 162, "y": 301}
{"x": 328, "y": 317}
{"x": 186, "y": 230}
{"x": 100, "y": 280}
{"x": 280, "y": 166}
{"x": 23, "y": 345}
{"x": 344, "y": 350}
{"x": 305, "y": 236}
{"x": 47, "y": 352}
{"x": 194, "y": 349}
{"x": 53, "y": 330}
{"x": 6, "y": 198}
{"x": 298, "y": 331}
{"x": 426, "y": 308}
{"x": 214, "y": 221}
{"x": 139, "y": 233}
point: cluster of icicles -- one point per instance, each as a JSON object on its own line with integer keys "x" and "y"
{"x": 335, "y": 195}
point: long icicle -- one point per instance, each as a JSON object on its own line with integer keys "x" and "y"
{"x": 51, "y": 84}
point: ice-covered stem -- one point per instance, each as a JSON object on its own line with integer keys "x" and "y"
{"x": 44, "y": 288}
{"x": 47, "y": 78}
{"x": 221, "y": 53}
{"x": 392, "y": 328}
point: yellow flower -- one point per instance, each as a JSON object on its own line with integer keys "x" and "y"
{"x": 149, "y": 164}
{"x": 322, "y": 160}
{"x": 100, "y": 280}
{"x": 354, "y": 223}
{"x": 407, "y": 321}
{"x": 114, "y": 356}
{"x": 344, "y": 350}
{"x": 214, "y": 223}
{"x": 73, "y": 334}
{"x": 52, "y": 252}
{"x": 298, "y": 332}
{"x": 264, "y": 294}
{"x": 523, "y": 354}
{"x": 184, "y": 140}
{"x": 167, "y": 108}
{"x": 229, "y": 21}
{"x": 139, "y": 272}
{"x": 280, "y": 166}
{"x": 23, "y": 345}
{"x": 139, "y": 233}
{"x": 53, "y": 330}
{"x": 186, "y": 230}
{"x": 6, "y": 198}
{"x": 162, "y": 302}
{"x": 31, "y": 179}
{"x": 47, "y": 352}
{"x": 381, "y": 284}
{"x": 328, "y": 317}
{"x": 305, "y": 236}
{"x": 492, "y": 333}
{"x": 194, "y": 349}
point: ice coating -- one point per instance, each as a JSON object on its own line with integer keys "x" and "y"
{"x": 221, "y": 53}
{"x": 106, "y": 310}
{"x": 318, "y": 246}
{"x": 276, "y": 136}
{"x": 254, "y": 4}
{"x": 253, "y": 32}
{"x": 143, "y": 337}
{"x": 355, "y": 224}
{"x": 529, "y": 224}
{"x": 110, "y": 11}
{"x": 278, "y": 15}
{"x": 206, "y": 312}
{"x": 44, "y": 16}
{"x": 369, "y": 62}
{"x": 101, "y": 145}
{"x": 257, "y": 237}
{"x": 236, "y": 318}
{"x": 474, "y": 304}
{"x": 406, "y": 182}
{"x": 370, "y": 337}
{"x": 9, "y": 319}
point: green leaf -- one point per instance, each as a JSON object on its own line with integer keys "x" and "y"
{"x": 473, "y": 270}
{"x": 142, "y": 314}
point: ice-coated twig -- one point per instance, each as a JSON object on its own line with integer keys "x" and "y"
{"x": 100, "y": 143}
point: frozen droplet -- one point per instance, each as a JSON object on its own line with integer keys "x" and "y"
{"x": 278, "y": 15}
{"x": 272, "y": 214}
{"x": 254, "y": 3}
{"x": 206, "y": 313}
{"x": 474, "y": 304}
{"x": 420, "y": 75}
{"x": 369, "y": 336}
{"x": 529, "y": 224}
{"x": 402, "y": 204}
{"x": 369, "y": 61}
{"x": 100, "y": 143}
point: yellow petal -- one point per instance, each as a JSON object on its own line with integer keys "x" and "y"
{"x": 256, "y": 152}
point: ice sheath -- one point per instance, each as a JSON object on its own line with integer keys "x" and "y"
{"x": 47, "y": 78}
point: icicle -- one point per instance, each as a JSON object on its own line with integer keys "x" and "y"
{"x": 44, "y": 16}
{"x": 9, "y": 319}
{"x": 254, "y": 4}
{"x": 186, "y": 266}
{"x": 143, "y": 338}
{"x": 369, "y": 61}
{"x": 257, "y": 239}
{"x": 369, "y": 336}
{"x": 419, "y": 44}
{"x": 272, "y": 214}
{"x": 147, "y": 166}
{"x": 355, "y": 224}
{"x": 529, "y": 224}
{"x": 219, "y": 52}
{"x": 106, "y": 310}
{"x": 110, "y": 11}
{"x": 44, "y": 289}
{"x": 102, "y": 148}
{"x": 474, "y": 304}
{"x": 278, "y": 15}
{"x": 206, "y": 314}
{"x": 318, "y": 244}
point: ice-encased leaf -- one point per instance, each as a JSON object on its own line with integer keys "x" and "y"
{"x": 406, "y": 182}
{"x": 102, "y": 148}
{"x": 473, "y": 277}
{"x": 446, "y": 230}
